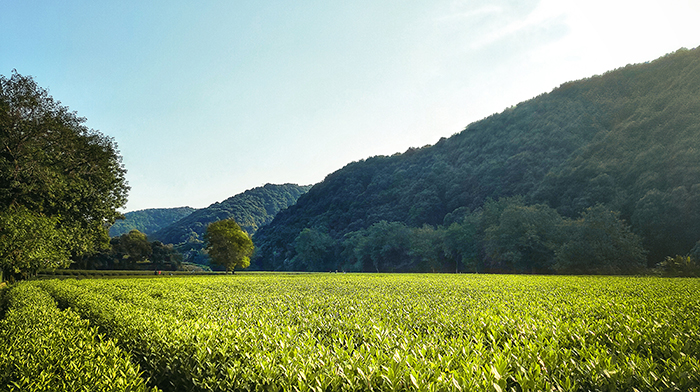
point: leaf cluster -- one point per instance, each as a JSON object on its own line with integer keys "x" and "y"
{"x": 132, "y": 251}
{"x": 504, "y": 236}
{"x": 228, "y": 245}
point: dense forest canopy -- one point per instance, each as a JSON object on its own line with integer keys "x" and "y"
{"x": 61, "y": 183}
{"x": 148, "y": 221}
{"x": 625, "y": 142}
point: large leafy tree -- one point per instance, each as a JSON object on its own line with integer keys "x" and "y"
{"x": 383, "y": 247}
{"x": 68, "y": 178}
{"x": 131, "y": 247}
{"x": 228, "y": 245}
{"x": 525, "y": 237}
{"x": 600, "y": 242}
{"x": 314, "y": 250}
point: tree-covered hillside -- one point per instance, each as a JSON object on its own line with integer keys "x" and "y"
{"x": 627, "y": 140}
{"x": 251, "y": 209}
{"x": 148, "y": 221}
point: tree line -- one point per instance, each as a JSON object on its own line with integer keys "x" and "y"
{"x": 503, "y": 236}
{"x": 131, "y": 251}
{"x": 226, "y": 245}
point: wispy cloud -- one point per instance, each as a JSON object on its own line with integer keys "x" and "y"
{"x": 466, "y": 16}
{"x": 547, "y": 12}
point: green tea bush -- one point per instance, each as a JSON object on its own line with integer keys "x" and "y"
{"x": 337, "y": 332}
{"x": 43, "y": 348}
{"x": 680, "y": 266}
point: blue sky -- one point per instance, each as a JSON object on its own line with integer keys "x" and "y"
{"x": 207, "y": 99}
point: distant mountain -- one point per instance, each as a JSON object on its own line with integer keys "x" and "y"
{"x": 251, "y": 209}
{"x": 149, "y": 220}
{"x": 628, "y": 139}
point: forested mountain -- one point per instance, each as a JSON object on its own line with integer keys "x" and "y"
{"x": 251, "y": 209}
{"x": 148, "y": 221}
{"x": 627, "y": 141}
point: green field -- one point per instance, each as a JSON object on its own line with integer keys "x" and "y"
{"x": 354, "y": 332}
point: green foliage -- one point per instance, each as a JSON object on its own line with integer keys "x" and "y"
{"x": 695, "y": 252}
{"x": 524, "y": 239}
{"x": 504, "y": 236}
{"x": 599, "y": 242}
{"x": 461, "y": 244}
{"x": 228, "y": 245}
{"x": 65, "y": 174}
{"x": 314, "y": 250}
{"x": 668, "y": 221}
{"x": 30, "y": 241}
{"x": 427, "y": 248}
{"x": 383, "y": 247}
{"x": 251, "y": 209}
{"x": 340, "y": 332}
{"x": 133, "y": 251}
{"x": 627, "y": 139}
{"x": 680, "y": 266}
{"x": 43, "y": 348}
{"x": 132, "y": 246}
{"x": 148, "y": 221}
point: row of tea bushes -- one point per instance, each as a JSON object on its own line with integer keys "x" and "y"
{"x": 167, "y": 345}
{"x": 43, "y": 348}
{"x": 80, "y": 274}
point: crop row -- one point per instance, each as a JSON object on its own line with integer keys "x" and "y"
{"x": 328, "y": 332}
{"x": 43, "y": 348}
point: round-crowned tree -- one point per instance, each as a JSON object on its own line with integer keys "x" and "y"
{"x": 57, "y": 176}
{"x": 228, "y": 245}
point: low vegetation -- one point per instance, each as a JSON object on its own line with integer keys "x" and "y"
{"x": 133, "y": 251}
{"x": 335, "y": 332}
{"x": 504, "y": 236}
{"x": 44, "y": 348}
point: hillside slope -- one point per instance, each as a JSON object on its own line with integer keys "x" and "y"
{"x": 148, "y": 221}
{"x": 628, "y": 139}
{"x": 251, "y": 209}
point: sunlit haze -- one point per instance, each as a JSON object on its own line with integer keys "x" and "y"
{"x": 208, "y": 99}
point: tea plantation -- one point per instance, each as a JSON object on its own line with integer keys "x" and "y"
{"x": 352, "y": 332}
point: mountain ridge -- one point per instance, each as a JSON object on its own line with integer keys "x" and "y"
{"x": 620, "y": 139}
{"x": 148, "y": 220}
{"x": 251, "y": 209}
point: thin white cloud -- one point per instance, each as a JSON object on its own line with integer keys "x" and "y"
{"x": 467, "y": 16}
{"x": 547, "y": 12}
